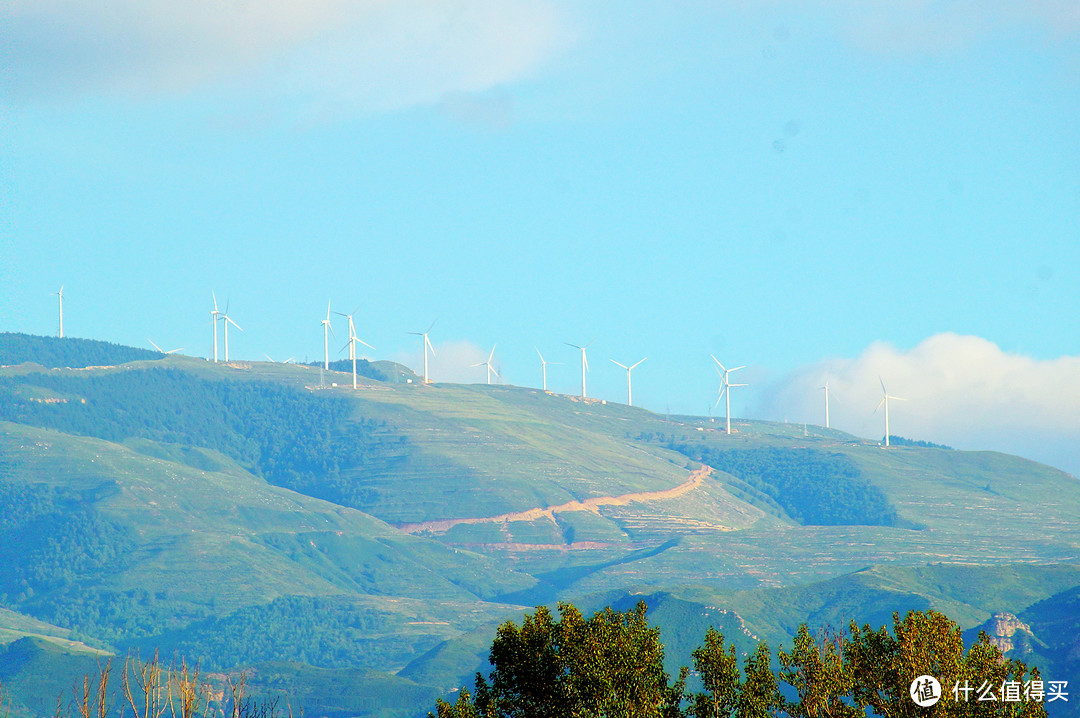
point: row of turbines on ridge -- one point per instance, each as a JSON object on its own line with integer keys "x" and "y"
{"x": 216, "y": 315}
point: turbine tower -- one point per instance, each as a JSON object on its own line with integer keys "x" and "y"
{"x": 427, "y": 346}
{"x": 885, "y": 402}
{"x": 725, "y": 390}
{"x": 490, "y": 369}
{"x": 225, "y": 318}
{"x": 629, "y": 393}
{"x": 543, "y": 366}
{"x": 353, "y": 339}
{"x": 327, "y": 330}
{"x": 60, "y": 299}
{"x": 214, "y": 316}
{"x": 826, "y": 390}
{"x": 584, "y": 364}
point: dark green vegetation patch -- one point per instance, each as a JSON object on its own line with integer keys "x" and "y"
{"x": 49, "y": 536}
{"x": 290, "y": 437}
{"x": 53, "y": 352}
{"x": 815, "y": 488}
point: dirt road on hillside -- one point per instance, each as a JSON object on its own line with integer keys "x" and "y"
{"x": 444, "y": 525}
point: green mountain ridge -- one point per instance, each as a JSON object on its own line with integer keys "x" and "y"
{"x": 249, "y": 515}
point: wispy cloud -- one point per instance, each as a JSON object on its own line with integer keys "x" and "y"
{"x": 959, "y": 390}
{"x": 361, "y": 54}
{"x": 453, "y": 362}
{"x": 923, "y": 26}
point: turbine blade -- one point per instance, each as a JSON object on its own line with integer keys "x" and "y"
{"x": 431, "y": 327}
{"x": 585, "y": 359}
{"x": 718, "y": 363}
{"x": 427, "y": 343}
{"x": 215, "y": 300}
{"x": 615, "y": 362}
{"x": 572, "y": 345}
{"x": 639, "y": 362}
{"x": 882, "y": 382}
{"x": 269, "y": 358}
{"x": 737, "y": 368}
{"x": 230, "y": 321}
{"x": 173, "y": 351}
{"x": 154, "y": 345}
{"x": 492, "y": 354}
{"x": 366, "y": 344}
{"x": 327, "y": 310}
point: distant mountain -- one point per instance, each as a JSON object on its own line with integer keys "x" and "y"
{"x": 266, "y": 516}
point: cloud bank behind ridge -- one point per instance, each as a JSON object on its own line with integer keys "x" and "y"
{"x": 959, "y": 390}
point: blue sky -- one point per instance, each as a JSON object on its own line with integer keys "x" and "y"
{"x": 811, "y": 189}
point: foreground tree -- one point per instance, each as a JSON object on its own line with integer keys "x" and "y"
{"x": 611, "y": 666}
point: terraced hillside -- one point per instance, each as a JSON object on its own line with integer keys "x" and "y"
{"x": 269, "y": 516}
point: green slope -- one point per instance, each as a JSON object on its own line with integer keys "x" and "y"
{"x": 249, "y": 513}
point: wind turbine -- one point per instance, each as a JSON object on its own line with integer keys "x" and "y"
{"x": 427, "y": 345}
{"x": 725, "y": 390}
{"x": 584, "y": 364}
{"x": 543, "y": 366}
{"x": 214, "y": 316}
{"x": 353, "y": 339}
{"x": 60, "y": 299}
{"x": 885, "y": 402}
{"x": 171, "y": 351}
{"x": 225, "y": 318}
{"x": 490, "y": 369}
{"x": 327, "y": 330}
{"x": 629, "y": 394}
{"x": 826, "y": 390}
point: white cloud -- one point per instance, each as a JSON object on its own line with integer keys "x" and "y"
{"x": 365, "y": 54}
{"x": 959, "y": 390}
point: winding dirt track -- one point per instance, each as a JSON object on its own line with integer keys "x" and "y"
{"x": 444, "y": 525}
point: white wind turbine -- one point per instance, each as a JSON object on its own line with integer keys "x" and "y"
{"x": 885, "y": 402}
{"x": 584, "y": 364}
{"x": 490, "y": 369}
{"x": 171, "y": 351}
{"x": 725, "y": 389}
{"x": 60, "y": 300}
{"x": 353, "y": 339}
{"x": 327, "y": 330}
{"x": 214, "y": 316}
{"x": 225, "y": 318}
{"x": 826, "y": 390}
{"x": 543, "y": 366}
{"x": 427, "y": 346}
{"x": 629, "y": 393}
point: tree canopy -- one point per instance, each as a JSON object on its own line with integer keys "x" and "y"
{"x": 611, "y": 666}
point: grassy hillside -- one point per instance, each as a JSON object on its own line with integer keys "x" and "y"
{"x": 255, "y": 515}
